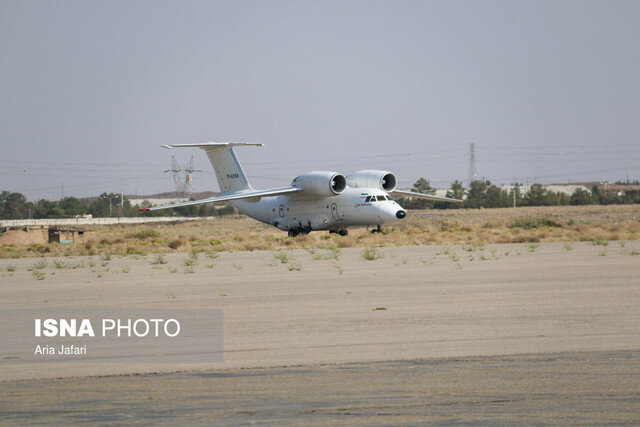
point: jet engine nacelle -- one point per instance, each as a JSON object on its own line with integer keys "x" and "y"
{"x": 321, "y": 183}
{"x": 384, "y": 180}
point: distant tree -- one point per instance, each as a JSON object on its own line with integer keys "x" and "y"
{"x": 13, "y": 205}
{"x": 72, "y": 206}
{"x": 107, "y": 204}
{"x": 535, "y": 196}
{"x": 581, "y": 197}
{"x": 495, "y": 197}
{"x": 476, "y": 194}
{"x": 456, "y": 191}
{"x": 422, "y": 185}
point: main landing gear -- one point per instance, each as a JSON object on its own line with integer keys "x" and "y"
{"x": 303, "y": 229}
{"x": 341, "y": 232}
{"x": 376, "y": 230}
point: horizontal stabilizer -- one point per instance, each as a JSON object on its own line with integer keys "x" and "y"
{"x": 425, "y": 196}
{"x": 253, "y": 194}
{"x": 205, "y": 145}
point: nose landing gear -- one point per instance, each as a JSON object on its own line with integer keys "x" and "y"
{"x": 376, "y": 230}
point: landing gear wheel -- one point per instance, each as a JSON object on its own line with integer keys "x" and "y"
{"x": 343, "y": 232}
{"x": 292, "y": 233}
{"x": 376, "y": 230}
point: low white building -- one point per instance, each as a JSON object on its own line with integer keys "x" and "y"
{"x": 157, "y": 202}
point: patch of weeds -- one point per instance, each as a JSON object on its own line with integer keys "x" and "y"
{"x": 338, "y": 267}
{"x": 195, "y": 252}
{"x": 171, "y": 295}
{"x": 211, "y": 254}
{"x": 173, "y": 270}
{"x": 210, "y": 265}
{"x": 379, "y": 308}
{"x": 145, "y": 233}
{"x": 188, "y": 270}
{"x": 237, "y": 266}
{"x": 126, "y": 269}
{"x": 458, "y": 266}
{"x": 40, "y": 264}
{"x": 91, "y": 263}
{"x": 158, "y": 259}
{"x": 603, "y": 252}
{"x": 452, "y": 254}
{"x": 476, "y": 246}
{"x": 11, "y": 268}
{"x": 371, "y": 253}
{"x": 529, "y": 223}
{"x": 568, "y": 246}
{"x": 105, "y": 260}
{"x": 60, "y": 264}
{"x": 295, "y": 266}
{"x": 633, "y": 252}
{"x": 532, "y": 247}
{"x": 328, "y": 254}
{"x": 39, "y": 275}
{"x": 221, "y": 293}
{"x": 282, "y": 257}
{"x": 599, "y": 242}
{"x": 506, "y": 253}
{"x": 189, "y": 262}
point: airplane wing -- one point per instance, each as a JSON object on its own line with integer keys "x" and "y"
{"x": 251, "y": 194}
{"x": 425, "y": 196}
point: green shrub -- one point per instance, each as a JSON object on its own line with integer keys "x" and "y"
{"x": 40, "y": 264}
{"x": 145, "y": 233}
{"x": 282, "y": 257}
{"x": 159, "y": 259}
{"x": 371, "y": 253}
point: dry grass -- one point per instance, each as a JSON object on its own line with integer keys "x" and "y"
{"x": 239, "y": 233}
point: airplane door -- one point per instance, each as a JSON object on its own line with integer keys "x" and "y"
{"x": 281, "y": 211}
{"x": 334, "y": 212}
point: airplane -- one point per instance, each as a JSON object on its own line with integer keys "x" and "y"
{"x": 316, "y": 200}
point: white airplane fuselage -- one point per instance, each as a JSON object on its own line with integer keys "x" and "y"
{"x": 315, "y": 200}
{"x": 352, "y": 207}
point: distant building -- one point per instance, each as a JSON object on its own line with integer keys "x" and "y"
{"x": 157, "y": 202}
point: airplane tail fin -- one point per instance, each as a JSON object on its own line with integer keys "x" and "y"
{"x": 228, "y": 171}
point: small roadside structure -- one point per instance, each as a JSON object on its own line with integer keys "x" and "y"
{"x": 40, "y": 235}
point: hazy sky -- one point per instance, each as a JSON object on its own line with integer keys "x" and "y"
{"x": 548, "y": 90}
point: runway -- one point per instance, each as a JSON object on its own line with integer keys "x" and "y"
{"x": 591, "y": 387}
{"x": 414, "y": 306}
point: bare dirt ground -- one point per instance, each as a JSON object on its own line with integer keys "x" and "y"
{"x": 311, "y": 308}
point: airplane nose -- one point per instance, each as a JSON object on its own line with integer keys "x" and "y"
{"x": 401, "y": 214}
